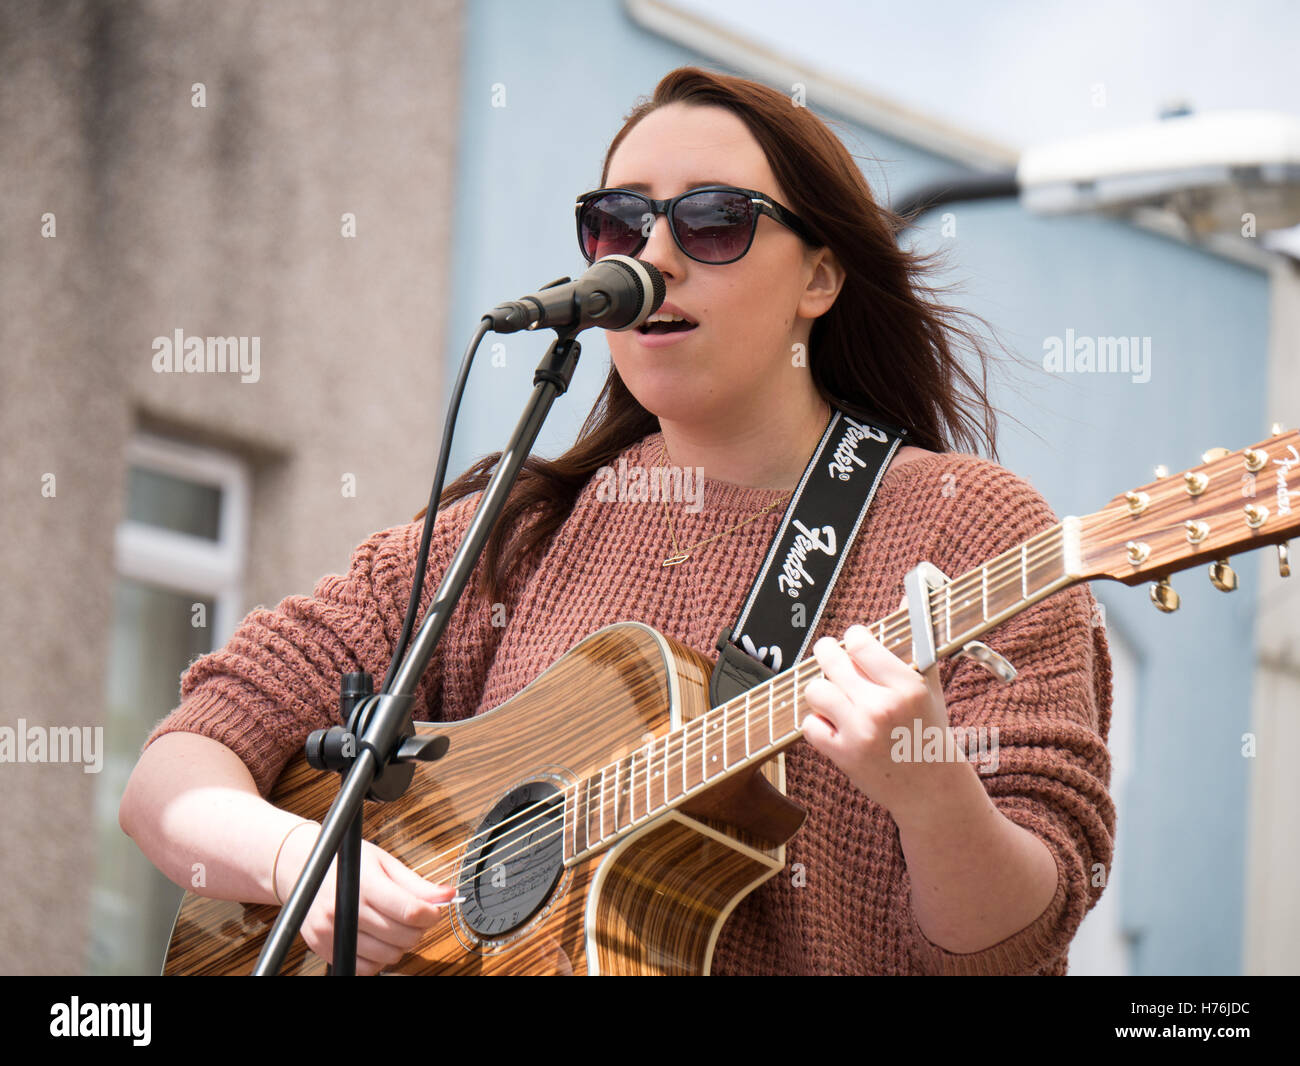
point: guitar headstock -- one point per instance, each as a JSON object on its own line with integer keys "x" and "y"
{"x": 1233, "y": 502}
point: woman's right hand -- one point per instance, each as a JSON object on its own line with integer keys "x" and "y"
{"x": 397, "y": 905}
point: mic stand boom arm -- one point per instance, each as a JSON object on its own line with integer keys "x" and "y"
{"x": 386, "y": 747}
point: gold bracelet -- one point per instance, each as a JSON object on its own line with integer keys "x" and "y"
{"x": 275, "y": 866}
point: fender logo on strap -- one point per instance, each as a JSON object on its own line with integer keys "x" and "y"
{"x": 847, "y": 450}
{"x": 793, "y": 569}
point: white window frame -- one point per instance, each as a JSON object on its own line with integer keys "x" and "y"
{"x": 182, "y": 562}
{"x": 179, "y": 562}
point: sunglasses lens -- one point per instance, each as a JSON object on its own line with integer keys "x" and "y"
{"x": 715, "y": 227}
{"x": 612, "y": 225}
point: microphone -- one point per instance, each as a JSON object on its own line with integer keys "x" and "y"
{"x": 617, "y": 293}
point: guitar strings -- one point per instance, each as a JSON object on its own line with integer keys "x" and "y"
{"x": 775, "y": 685}
{"x": 1016, "y": 556}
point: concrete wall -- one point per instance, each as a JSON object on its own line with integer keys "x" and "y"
{"x": 223, "y": 220}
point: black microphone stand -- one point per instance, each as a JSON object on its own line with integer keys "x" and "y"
{"x": 378, "y": 749}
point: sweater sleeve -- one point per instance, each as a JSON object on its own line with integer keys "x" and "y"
{"x": 278, "y": 676}
{"x": 1047, "y": 767}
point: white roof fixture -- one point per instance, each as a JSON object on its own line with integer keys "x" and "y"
{"x": 1211, "y": 169}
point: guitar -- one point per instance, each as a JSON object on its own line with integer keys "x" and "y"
{"x": 606, "y": 821}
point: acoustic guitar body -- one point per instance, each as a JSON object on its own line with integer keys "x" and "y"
{"x": 648, "y": 902}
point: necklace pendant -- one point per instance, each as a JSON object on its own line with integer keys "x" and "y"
{"x": 673, "y": 560}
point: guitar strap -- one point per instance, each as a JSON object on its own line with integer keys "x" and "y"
{"x": 795, "y": 581}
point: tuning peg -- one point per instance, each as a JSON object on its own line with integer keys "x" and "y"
{"x": 1137, "y": 551}
{"x": 1222, "y": 576}
{"x": 1214, "y": 453}
{"x": 1283, "y": 561}
{"x": 1276, "y": 431}
{"x": 1162, "y": 471}
{"x": 1164, "y": 596}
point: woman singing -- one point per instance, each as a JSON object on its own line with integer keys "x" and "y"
{"x": 788, "y": 296}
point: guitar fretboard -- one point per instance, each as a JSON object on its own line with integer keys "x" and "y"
{"x": 753, "y": 727}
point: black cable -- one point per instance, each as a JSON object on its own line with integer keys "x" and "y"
{"x": 430, "y": 514}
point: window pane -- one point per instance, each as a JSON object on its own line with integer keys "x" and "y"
{"x": 158, "y": 499}
{"x": 157, "y": 633}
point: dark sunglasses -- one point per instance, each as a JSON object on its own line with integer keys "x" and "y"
{"x": 714, "y": 224}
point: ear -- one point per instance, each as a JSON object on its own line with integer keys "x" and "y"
{"x": 825, "y": 279}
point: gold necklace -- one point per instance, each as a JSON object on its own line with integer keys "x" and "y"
{"x": 680, "y": 555}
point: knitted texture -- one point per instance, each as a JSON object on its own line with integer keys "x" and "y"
{"x": 843, "y": 904}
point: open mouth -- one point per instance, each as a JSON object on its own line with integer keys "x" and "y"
{"x": 666, "y": 324}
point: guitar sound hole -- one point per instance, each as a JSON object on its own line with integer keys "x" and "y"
{"x": 514, "y": 860}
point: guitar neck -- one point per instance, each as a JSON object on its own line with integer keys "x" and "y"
{"x": 734, "y": 736}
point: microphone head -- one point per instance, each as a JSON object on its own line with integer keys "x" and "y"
{"x": 649, "y": 283}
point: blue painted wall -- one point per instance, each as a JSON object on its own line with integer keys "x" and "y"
{"x": 570, "y": 70}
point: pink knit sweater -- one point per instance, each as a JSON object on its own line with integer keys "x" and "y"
{"x": 846, "y": 906}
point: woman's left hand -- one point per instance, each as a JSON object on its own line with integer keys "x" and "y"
{"x": 867, "y": 694}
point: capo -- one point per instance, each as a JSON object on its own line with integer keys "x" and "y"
{"x": 918, "y": 583}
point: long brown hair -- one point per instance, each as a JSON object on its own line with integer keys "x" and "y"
{"x": 884, "y": 349}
